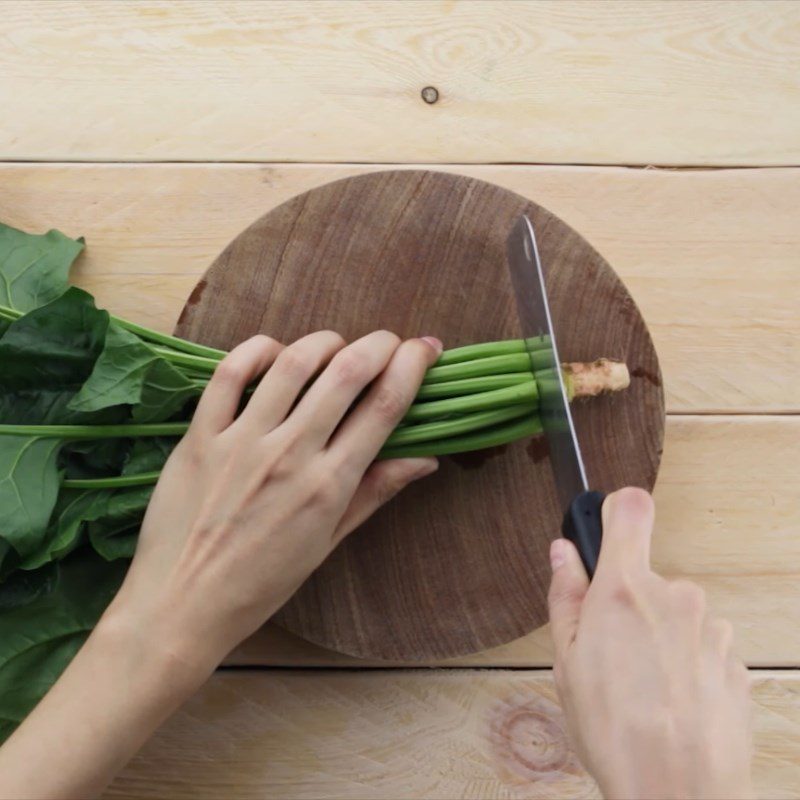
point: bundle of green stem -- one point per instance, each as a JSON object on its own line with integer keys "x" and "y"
{"x": 475, "y": 397}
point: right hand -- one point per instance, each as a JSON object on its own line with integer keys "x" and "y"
{"x": 656, "y": 703}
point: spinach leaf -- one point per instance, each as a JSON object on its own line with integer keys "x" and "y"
{"x": 47, "y": 355}
{"x": 66, "y": 530}
{"x": 33, "y": 268}
{"x": 29, "y": 483}
{"x": 94, "y": 459}
{"x": 129, "y": 372}
{"x": 25, "y": 587}
{"x": 38, "y": 639}
{"x": 113, "y": 541}
{"x": 165, "y": 392}
{"x": 149, "y": 455}
{"x": 114, "y": 533}
{"x": 9, "y": 559}
{"x": 109, "y": 520}
{"x": 59, "y": 341}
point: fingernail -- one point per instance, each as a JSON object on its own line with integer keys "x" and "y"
{"x": 434, "y": 343}
{"x": 557, "y": 554}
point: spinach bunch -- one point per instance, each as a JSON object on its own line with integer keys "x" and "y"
{"x": 72, "y": 506}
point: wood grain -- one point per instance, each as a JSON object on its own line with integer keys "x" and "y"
{"x": 458, "y": 563}
{"x": 728, "y": 500}
{"x": 709, "y": 257}
{"x": 560, "y": 82}
{"x": 391, "y": 734}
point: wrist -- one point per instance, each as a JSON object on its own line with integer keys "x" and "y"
{"x": 141, "y": 641}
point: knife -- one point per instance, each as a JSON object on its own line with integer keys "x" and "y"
{"x": 581, "y": 507}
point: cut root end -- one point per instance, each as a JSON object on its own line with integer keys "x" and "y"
{"x": 597, "y": 377}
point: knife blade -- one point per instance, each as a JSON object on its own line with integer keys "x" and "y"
{"x": 581, "y": 507}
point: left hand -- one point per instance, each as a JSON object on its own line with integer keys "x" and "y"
{"x": 247, "y": 506}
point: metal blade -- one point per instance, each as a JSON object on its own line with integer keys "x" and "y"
{"x": 527, "y": 279}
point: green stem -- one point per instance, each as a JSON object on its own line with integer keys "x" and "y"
{"x": 174, "y": 342}
{"x": 471, "y": 352}
{"x": 434, "y": 391}
{"x": 85, "y": 432}
{"x": 444, "y": 429}
{"x": 493, "y": 365}
{"x": 199, "y": 364}
{"x": 148, "y": 334}
{"x": 117, "y": 482}
{"x": 10, "y": 313}
{"x": 433, "y": 439}
{"x": 499, "y": 435}
{"x": 523, "y": 393}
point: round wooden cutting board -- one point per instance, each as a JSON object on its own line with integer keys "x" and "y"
{"x": 458, "y": 562}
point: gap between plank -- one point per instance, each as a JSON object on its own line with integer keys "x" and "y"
{"x": 322, "y": 163}
{"x": 424, "y": 668}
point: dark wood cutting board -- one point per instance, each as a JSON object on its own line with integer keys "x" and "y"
{"x": 459, "y": 562}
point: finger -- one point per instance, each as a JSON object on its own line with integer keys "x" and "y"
{"x": 568, "y": 587}
{"x": 220, "y": 401}
{"x": 349, "y": 373}
{"x": 368, "y": 427}
{"x": 628, "y": 517}
{"x": 381, "y": 482}
{"x": 718, "y": 637}
{"x": 293, "y": 369}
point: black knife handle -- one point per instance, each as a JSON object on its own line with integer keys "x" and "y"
{"x": 583, "y": 526}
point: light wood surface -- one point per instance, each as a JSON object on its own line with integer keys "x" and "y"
{"x": 402, "y": 734}
{"x": 458, "y": 563}
{"x": 561, "y": 82}
{"x": 711, "y": 257}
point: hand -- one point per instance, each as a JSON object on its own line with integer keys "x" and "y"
{"x": 656, "y": 703}
{"x": 249, "y": 505}
{"x": 246, "y": 507}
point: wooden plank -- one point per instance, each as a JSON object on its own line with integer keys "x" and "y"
{"x": 535, "y": 82}
{"x": 709, "y": 256}
{"x": 727, "y": 494}
{"x": 397, "y": 734}
{"x": 728, "y": 500}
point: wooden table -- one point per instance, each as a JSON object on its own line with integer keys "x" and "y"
{"x": 666, "y": 133}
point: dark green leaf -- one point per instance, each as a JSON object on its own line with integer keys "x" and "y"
{"x": 148, "y": 455}
{"x": 66, "y": 530}
{"x": 29, "y": 482}
{"x": 130, "y": 372}
{"x": 113, "y": 534}
{"x": 95, "y": 459}
{"x": 39, "y": 639}
{"x": 165, "y": 392}
{"x": 115, "y": 543}
{"x": 34, "y": 269}
{"x": 25, "y": 587}
{"x": 58, "y": 342}
{"x": 9, "y": 559}
{"x": 47, "y": 355}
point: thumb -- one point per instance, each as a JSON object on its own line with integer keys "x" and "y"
{"x": 381, "y": 482}
{"x": 568, "y": 587}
